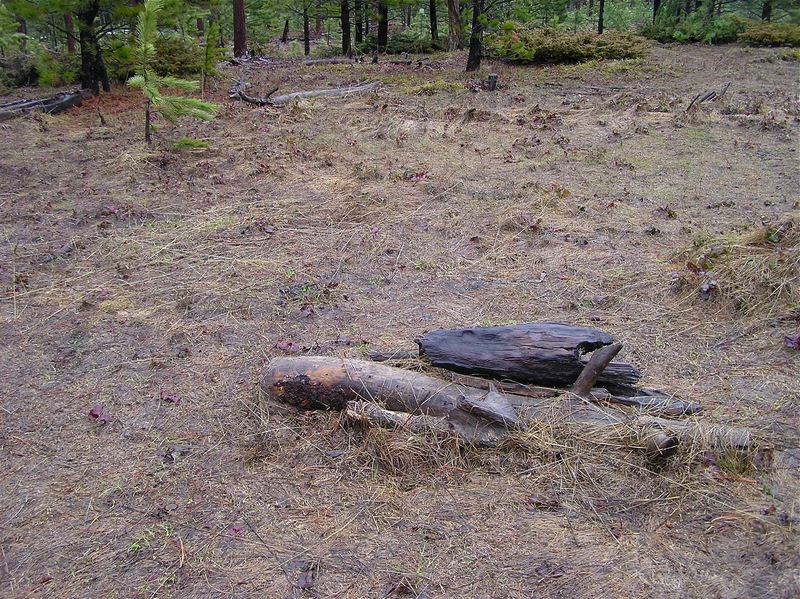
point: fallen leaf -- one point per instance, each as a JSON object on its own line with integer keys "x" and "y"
{"x": 792, "y": 341}
{"x": 235, "y": 531}
{"x": 170, "y": 397}
{"x": 287, "y": 345}
{"x": 98, "y": 414}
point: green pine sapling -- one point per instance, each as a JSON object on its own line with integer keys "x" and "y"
{"x": 170, "y": 107}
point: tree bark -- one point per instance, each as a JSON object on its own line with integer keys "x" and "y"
{"x": 239, "y": 29}
{"x": 476, "y": 37}
{"x": 766, "y": 11}
{"x": 455, "y": 37}
{"x": 285, "y": 34}
{"x": 600, "y": 16}
{"x": 383, "y": 26}
{"x": 306, "y": 32}
{"x": 93, "y": 69}
{"x": 359, "y": 19}
{"x": 345, "y": 19}
{"x": 656, "y": 6}
{"x": 535, "y": 353}
{"x": 434, "y": 21}
{"x": 69, "y": 25}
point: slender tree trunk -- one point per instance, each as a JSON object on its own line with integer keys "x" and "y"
{"x": 358, "y": 9}
{"x": 766, "y": 11}
{"x": 600, "y": 11}
{"x": 306, "y": 32}
{"x": 476, "y": 37}
{"x": 383, "y": 26}
{"x": 366, "y": 18}
{"x": 69, "y": 25}
{"x": 147, "y": 138}
{"x": 345, "y": 6}
{"x": 434, "y": 21}
{"x": 239, "y": 29}
{"x": 285, "y": 35}
{"x": 656, "y": 6}
{"x": 318, "y": 20}
{"x": 455, "y": 39}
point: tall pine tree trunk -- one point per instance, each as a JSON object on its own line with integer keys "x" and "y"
{"x": 434, "y": 21}
{"x": 345, "y": 6}
{"x": 766, "y": 11}
{"x": 475, "y": 37}
{"x": 93, "y": 70}
{"x": 600, "y": 11}
{"x": 455, "y": 39}
{"x": 306, "y": 32}
{"x": 383, "y": 26}
{"x": 359, "y": 18}
{"x": 239, "y": 29}
{"x": 69, "y": 25}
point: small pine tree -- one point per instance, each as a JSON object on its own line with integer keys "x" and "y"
{"x": 170, "y": 107}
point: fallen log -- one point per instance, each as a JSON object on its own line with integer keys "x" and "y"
{"x": 538, "y": 353}
{"x": 238, "y": 91}
{"x": 399, "y": 397}
{"x": 317, "y": 61}
{"x": 52, "y": 105}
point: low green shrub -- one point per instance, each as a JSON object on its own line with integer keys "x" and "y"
{"x": 57, "y": 68}
{"x": 696, "y": 28}
{"x": 771, "y": 34}
{"x": 180, "y": 57}
{"x": 18, "y": 68}
{"x": 521, "y": 44}
{"x": 408, "y": 41}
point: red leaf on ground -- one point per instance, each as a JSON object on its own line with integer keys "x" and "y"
{"x": 98, "y": 414}
{"x": 235, "y": 531}
{"x": 287, "y": 345}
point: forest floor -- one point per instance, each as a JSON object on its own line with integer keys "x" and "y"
{"x": 143, "y": 291}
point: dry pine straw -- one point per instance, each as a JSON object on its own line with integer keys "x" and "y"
{"x": 188, "y": 268}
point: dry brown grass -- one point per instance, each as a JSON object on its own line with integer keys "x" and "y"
{"x": 348, "y": 225}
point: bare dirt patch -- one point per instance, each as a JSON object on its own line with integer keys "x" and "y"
{"x": 143, "y": 291}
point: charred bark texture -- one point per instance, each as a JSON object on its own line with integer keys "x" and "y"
{"x": 537, "y": 353}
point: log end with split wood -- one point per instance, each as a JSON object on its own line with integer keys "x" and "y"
{"x": 487, "y": 413}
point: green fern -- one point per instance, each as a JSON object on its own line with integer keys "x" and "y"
{"x": 146, "y": 79}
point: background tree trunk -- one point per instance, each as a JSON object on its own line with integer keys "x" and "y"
{"x": 93, "y": 70}
{"x": 383, "y": 26}
{"x": 306, "y": 32}
{"x": 69, "y": 25}
{"x": 455, "y": 39}
{"x": 359, "y": 18}
{"x": 285, "y": 35}
{"x": 434, "y": 21}
{"x": 600, "y": 11}
{"x": 345, "y": 6}
{"x": 476, "y": 37}
{"x": 766, "y": 11}
{"x": 239, "y": 29}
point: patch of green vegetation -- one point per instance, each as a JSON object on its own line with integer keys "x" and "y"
{"x": 187, "y": 143}
{"x": 772, "y": 34}
{"x": 521, "y": 44}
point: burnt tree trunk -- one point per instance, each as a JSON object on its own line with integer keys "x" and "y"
{"x": 600, "y": 16}
{"x": 306, "y": 32}
{"x": 537, "y": 353}
{"x": 434, "y": 21}
{"x": 285, "y": 34}
{"x": 383, "y": 26}
{"x": 766, "y": 11}
{"x": 475, "y": 37}
{"x": 345, "y": 17}
{"x": 358, "y": 7}
{"x": 239, "y": 29}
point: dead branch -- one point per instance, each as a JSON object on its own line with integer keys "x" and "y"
{"x": 237, "y": 91}
{"x": 318, "y": 61}
{"x": 582, "y": 386}
{"x": 469, "y": 414}
{"x": 711, "y": 96}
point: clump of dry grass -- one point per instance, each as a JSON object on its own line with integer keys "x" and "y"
{"x": 758, "y": 272}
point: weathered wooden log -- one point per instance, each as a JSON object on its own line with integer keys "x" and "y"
{"x": 238, "y": 91}
{"x": 317, "y": 61}
{"x": 52, "y": 105}
{"x": 538, "y": 353}
{"x": 472, "y": 415}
